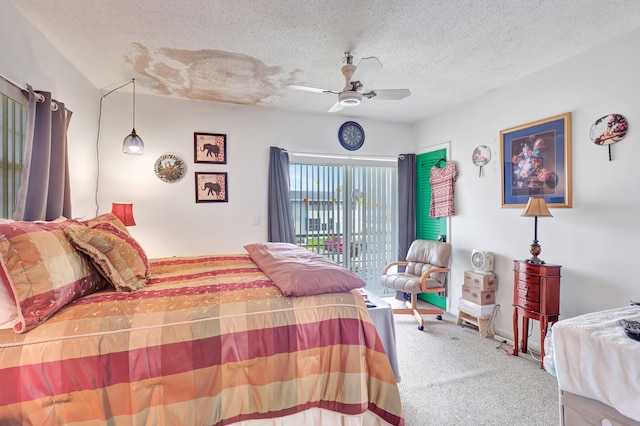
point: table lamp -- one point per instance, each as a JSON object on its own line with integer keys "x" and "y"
{"x": 124, "y": 212}
{"x": 536, "y": 207}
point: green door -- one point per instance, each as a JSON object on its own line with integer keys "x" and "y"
{"x": 428, "y": 228}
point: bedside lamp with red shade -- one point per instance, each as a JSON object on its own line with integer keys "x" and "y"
{"x": 124, "y": 212}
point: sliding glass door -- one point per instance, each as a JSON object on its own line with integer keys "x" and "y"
{"x": 348, "y": 213}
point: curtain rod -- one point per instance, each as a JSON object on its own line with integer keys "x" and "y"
{"x": 39, "y": 97}
{"x": 341, "y": 157}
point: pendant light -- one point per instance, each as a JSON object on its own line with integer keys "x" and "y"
{"x": 133, "y": 143}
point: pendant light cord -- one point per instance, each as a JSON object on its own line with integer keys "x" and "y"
{"x": 133, "y": 80}
{"x": 98, "y": 133}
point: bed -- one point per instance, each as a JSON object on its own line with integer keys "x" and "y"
{"x": 598, "y": 369}
{"x": 205, "y": 340}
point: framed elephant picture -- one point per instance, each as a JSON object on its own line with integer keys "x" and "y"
{"x": 210, "y": 148}
{"x": 211, "y": 187}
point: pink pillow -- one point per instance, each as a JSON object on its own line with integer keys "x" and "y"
{"x": 42, "y": 271}
{"x": 299, "y": 272}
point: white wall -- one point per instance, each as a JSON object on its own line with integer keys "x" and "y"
{"x": 28, "y": 58}
{"x": 169, "y": 222}
{"x": 595, "y": 240}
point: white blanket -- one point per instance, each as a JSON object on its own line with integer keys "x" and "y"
{"x": 594, "y": 358}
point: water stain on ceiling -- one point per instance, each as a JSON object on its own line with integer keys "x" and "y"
{"x": 209, "y": 75}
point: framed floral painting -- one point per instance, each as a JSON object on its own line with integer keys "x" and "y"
{"x": 536, "y": 161}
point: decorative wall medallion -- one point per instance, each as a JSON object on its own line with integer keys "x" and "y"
{"x": 170, "y": 168}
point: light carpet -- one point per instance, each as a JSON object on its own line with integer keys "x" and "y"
{"x": 450, "y": 375}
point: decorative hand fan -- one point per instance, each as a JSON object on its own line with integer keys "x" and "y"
{"x": 608, "y": 130}
{"x": 481, "y": 156}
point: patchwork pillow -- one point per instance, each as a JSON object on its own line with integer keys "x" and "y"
{"x": 299, "y": 272}
{"x": 118, "y": 257}
{"x": 42, "y": 271}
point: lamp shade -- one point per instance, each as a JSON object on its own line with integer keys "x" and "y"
{"x": 124, "y": 212}
{"x": 133, "y": 144}
{"x": 536, "y": 207}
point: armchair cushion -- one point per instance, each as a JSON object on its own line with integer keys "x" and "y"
{"x": 403, "y": 282}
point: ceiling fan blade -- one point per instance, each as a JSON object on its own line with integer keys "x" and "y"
{"x": 366, "y": 70}
{"x": 387, "y": 94}
{"x": 336, "y": 107}
{"x": 310, "y": 89}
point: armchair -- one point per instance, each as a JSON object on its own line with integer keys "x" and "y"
{"x": 426, "y": 268}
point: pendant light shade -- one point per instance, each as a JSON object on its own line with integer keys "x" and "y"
{"x": 133, "y": 144}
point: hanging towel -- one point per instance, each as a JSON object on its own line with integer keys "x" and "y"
{"x": 442, "y": 182}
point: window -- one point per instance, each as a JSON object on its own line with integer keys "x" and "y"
{"x": 347, "y": 213}
{"x": 13, "y": 124}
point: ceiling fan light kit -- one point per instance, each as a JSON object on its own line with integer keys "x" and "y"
{"x": 349, "y": 99}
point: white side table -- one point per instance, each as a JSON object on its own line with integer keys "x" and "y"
{"x": 382, "y": 316}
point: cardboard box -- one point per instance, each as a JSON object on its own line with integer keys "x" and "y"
{"x": 475, "y": 309}
{"x": 477, "y": 296}
{"x": 480, "y": 281}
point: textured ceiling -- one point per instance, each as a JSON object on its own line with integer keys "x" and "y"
{"x": 247, "y": 51}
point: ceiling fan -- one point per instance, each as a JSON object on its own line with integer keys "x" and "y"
{"x": 355, "y": 79}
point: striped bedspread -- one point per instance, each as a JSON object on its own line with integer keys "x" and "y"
{"x": 209, "y": 341}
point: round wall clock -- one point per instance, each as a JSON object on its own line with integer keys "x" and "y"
{"x": 170, "y": 168}
{"x": 351, "y": 135}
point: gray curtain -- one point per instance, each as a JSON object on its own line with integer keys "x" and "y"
{"x": 44, "y": 192}
{"x": 281, "y": 229}
{"x": 406, "y": 203}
